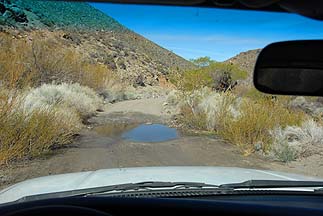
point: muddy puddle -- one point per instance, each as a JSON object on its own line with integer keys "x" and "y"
{"x": 138, "y": 132}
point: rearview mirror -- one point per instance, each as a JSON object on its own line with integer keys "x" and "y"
{"x": 291, "y": 68}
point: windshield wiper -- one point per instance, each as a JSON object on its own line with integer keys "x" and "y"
{"x": 271, "y": 184}
{"x": 156, "y": 185}
{"x": 141, "y": 186}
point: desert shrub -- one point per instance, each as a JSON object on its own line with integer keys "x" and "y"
{"x": 213, "y": 106}
{"x": 255, "y": 121}
{"x": 191, "y": 120}
{"x": 16, "y": 68}
{"x": 54, "y": 63}
{"x": 68, "y": 65}
{"x": 283, "y": 152}
{"x": 173, "y": 97}
{"x": 191, "y": 115}
{"x": 234, "y": 71}
{"x": 172, "y": 105}
{"x": 219, "y": 107}
{"x": 204, "y": 109}
{"x": 31, "y": 63}
{"x": 219, "y": 76}
{"x": 202, "y": 61}
{"x": 72, "y": 97}
{"x": 192, "y": 80}
{"x": 295, "y": 141}
{"x": 29, "y": 134}
{"x": 225, "y": 76}
{"x": 242, "y": 121}
{"x": 96, "y": 76}
{"x": 200, "y": 109}
{"x": 116, "y": 92}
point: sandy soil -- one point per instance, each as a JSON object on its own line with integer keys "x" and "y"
{"x": 101, "y": 146}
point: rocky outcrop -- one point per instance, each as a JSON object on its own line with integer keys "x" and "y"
{"x": 11, "y": 14}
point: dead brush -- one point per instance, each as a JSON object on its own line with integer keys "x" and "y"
{"x": 31, "y": 63}
{"x": 16, "y": 64}
{"x": 28, "y": 134}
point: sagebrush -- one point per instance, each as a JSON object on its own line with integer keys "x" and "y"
{"x": 243, "y": 121}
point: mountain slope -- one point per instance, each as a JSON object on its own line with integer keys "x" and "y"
{"x": 65, "y": 14}
{"x": 245, "y": 60}
{"x": 98, "y": 36}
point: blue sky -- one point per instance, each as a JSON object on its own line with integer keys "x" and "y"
{"x": 218, "y": 33}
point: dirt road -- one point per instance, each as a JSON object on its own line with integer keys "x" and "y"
{"x": 101, "y": 146}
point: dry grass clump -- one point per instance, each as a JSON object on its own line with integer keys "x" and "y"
{"x": 35, "y": 60}
{"x": 16, "y": 64}
{"x": 43, "y": 118}
{"x": 219, "y": 108}
{"x": 29, "y": 134}
{"x": 295, "y": 141}
{"x": 192, "y": 115}
{"x": 203, "y": 109}
{"x": 73, "y": 98}
{"x": 58, "y": 63}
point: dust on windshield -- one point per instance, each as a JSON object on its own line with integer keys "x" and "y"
{"x": 96, "y": 86}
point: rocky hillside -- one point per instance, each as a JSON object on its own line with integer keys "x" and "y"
{"x": 98, "y": 36}
{"x": 245, "y": 61}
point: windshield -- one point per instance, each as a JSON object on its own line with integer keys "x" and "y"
{"x": 92, "y": 86}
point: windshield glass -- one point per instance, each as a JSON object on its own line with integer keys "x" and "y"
{"x": 92, "y": 86}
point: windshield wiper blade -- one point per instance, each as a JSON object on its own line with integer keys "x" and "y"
{"x": 271, "y": 184}
{"x": 121, "y": 188}
{"x": 160, "y": 184}
{"x": 157, "y": 185}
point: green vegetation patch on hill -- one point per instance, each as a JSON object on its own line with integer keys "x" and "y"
{"x": 63, "y": 14}
{"x": 216, "y": 75}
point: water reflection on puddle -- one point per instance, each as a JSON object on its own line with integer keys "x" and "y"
{"x": 114, "y": 129}
{"x": 151, "y": 133}
{"x": 137, "y": 133}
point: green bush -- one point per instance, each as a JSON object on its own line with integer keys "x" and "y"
{"x": 255, "y": 122}
{"x": 220, "y": 76}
